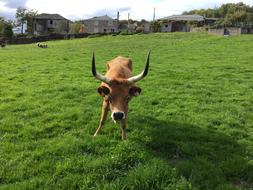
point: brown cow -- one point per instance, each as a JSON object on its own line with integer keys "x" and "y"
{"x": 117, "y": 89}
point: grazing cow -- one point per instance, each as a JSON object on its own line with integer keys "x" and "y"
{"x": 117, "y": 89}
{"x": 42, "y": 45}
{"x": 2, "y": 42}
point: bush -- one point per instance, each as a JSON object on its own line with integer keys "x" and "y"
{"x": 126, "y": 32}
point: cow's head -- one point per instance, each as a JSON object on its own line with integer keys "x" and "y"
{"x": 119, "y": 92}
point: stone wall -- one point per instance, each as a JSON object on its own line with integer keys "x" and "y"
{"x": 197, "y": 29}
{"x": 230, "y": 31}
{"x": 35, "y": 39}
{"x": 247, "y": 30}
{"x": 216, "y": 31}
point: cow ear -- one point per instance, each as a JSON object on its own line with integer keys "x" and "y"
{"x": 103, "y": 90}
{"x": 134, "y": 91}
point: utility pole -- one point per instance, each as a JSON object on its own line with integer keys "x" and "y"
{"x": 128, "y": 17}
{"x": 154, "y": 15}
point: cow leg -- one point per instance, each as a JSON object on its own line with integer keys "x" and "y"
{"x": 123, "y": 129}
{"x": 103, "y": 116}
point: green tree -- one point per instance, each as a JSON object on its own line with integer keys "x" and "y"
{"x": 230, "y": 14}
{"x": 75, "y": 27}
{"x": 8, "y": 30}
{"x": 1, "y": 26}
{"x": 29, "y": 15}
{"x": 155, "y": 26}
{"x": 21, "y": 17}
{"x": 25, "y": 15}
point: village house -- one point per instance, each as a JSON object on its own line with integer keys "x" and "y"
{"x": 180, "y": 23}
{"x": 101, "y": 24}
{"x": 50, "y": 23}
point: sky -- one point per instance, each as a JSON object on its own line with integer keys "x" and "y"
{"x": 84, "y": 9}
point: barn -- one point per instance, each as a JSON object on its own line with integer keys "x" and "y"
{"x": 180, "y": 23}
{"x": 50, "y": 23}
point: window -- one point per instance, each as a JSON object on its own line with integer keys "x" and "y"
{"x": 51, "y": 21}
{"x": 104, "y": 30}
{"x": 112, "y": 30}
{"x": 166, "y": 26}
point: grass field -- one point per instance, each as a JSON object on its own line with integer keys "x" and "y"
{"x": 191, "y": 128}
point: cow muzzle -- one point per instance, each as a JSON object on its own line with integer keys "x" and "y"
{"x": 117, "y": 116}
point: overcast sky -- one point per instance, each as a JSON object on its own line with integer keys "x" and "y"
{"x": 83, "y": 9}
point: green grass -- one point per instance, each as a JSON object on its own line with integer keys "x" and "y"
{"x": 191, "y": 128}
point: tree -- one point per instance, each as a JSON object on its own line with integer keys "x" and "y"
{"x": 75, "y": 27}
{"x": 21, "y": 17}
{"x": 230, "y": 14}
{"x": 155, "y": 26}
{"x": 6, "y": 28}
{"x": 29, "y": 15}
{"x": 1, "y": 25}
{"x": 25, "y": 15}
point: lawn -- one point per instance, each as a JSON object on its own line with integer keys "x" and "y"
{"x": 191, "y": 127}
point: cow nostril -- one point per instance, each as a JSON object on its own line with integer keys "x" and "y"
{"x": 118, "y": 115}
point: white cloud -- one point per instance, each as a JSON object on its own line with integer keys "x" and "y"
{"x": 138, "y": 9}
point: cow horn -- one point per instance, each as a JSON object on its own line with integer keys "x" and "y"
{"x": 96, "y": 74}
{"x": 136, "y": 78}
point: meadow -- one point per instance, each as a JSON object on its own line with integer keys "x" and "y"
{"x": 191, "y": 127}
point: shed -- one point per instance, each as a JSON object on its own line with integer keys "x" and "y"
{"x": 179, "y": 23}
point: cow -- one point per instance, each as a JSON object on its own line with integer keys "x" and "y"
{"x": 117, "y": 89}
{"x": 42, "y": 45}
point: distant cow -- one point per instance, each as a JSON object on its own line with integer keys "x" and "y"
{"x": 42, "y": 45}
{"x": 2, "y": 42}
{"x": 117, "y": 89}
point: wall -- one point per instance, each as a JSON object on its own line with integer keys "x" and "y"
{"x": 231, "y": 31}
{"x": 247, "y": 30}
{"x": 35, "y": 39}
{"x": 197, "y": 29}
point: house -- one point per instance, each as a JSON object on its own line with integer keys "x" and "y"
{"x": 50, "y": 23}
{"x": 101, "y": 24}
{"x": 180, "y": 23}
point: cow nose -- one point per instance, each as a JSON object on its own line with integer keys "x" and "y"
{"x": 118, "y": 115}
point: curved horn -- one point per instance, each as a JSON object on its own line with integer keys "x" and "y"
{"x": 96, "y": 74}
{"x": 136, "y": 78}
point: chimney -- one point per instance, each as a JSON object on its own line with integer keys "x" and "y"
{"x": 118, "y": 16}
{"x": 154, "y": 15}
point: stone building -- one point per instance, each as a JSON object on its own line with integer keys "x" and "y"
{"x": 101, "y": 24}
{"x": 50, "y": 23}
{"x": 180, "y": 23}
